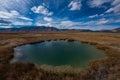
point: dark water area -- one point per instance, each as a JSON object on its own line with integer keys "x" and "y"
{"x": 57, "y": 53}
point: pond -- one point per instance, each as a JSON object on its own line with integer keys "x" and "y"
{"x": 57, "y": 53}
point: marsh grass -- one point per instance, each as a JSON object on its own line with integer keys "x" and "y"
{"x": 105, "y": 69}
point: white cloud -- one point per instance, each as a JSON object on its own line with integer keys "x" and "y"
{"x": 44, "y": 24}
{"x": 115, "y": 8}
{"x": 25, "y": 18}
{"x": 70, "y": 24}
{"x": 20, "y": 5}
{"x": 97, "y": 22}
{"x": 118, "y": 21}
{"x": 5, "y": 26}
{"x": 75, "y": 5}
{"x": 93, "y": 24}
{"x": 21, "y": 23}
{"x": 116, "y": 2}
{"x": 12, "y": 15}
{"x": 102, "y": 21}
{"x": 97, "y": 3}
{"x": 48, "y": 19}
{"x": 93, "y": 16}
{"x": 106, "y": 21}
{"x": 67, "y": 24}
{"x": 41, "y": 10}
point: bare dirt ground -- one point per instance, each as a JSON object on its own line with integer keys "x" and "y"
{"x": 105, "y": 69}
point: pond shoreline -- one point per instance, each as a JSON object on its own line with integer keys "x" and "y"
{"x": 89, "y": 73}
{"x": 70, "y": 65}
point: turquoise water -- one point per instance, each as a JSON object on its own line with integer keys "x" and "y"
{"x": 57, "y": 53}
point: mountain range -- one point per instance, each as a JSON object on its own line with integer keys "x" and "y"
{"x": 48, "y": 29}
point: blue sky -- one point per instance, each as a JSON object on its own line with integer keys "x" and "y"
{"x": 70, "y": 14}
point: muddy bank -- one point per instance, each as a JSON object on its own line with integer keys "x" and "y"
{"x": 105, "y": 69}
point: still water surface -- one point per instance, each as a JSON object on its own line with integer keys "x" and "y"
{"x": 57, "y": 53}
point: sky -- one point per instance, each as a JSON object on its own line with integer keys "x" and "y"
{"x": 62, "y": 14}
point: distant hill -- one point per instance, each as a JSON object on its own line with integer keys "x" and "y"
{"x": 77, "y": 30}
{"x": 28, "y": 29}
{"x": 116, "y": 30}
{"x": 48, "y": 29}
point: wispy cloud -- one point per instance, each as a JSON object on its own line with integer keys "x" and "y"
{"x": 14, "y": 17}
{"x": 44, "y": 24}
{"x": 93, "y": 16}
{"x": 102, "y": 21}
{"x": 75, "y": 5}
{"x": 115, "y": 7}
{"x": 12, "y": 14}
{"x": 67, "y": 24}
{"x": 99, "y": 22}
{"x": 48, "y": 19}
{"x": 21, "y": 23}
{"x": 21, "y": 5}
{"x": 116, "y": 2}
{"x": 5, "y": 27}
{"x": 25, "y": 18}
{"x": 97, "y": 3}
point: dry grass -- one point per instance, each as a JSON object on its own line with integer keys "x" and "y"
{"x": 105, "y": 69}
